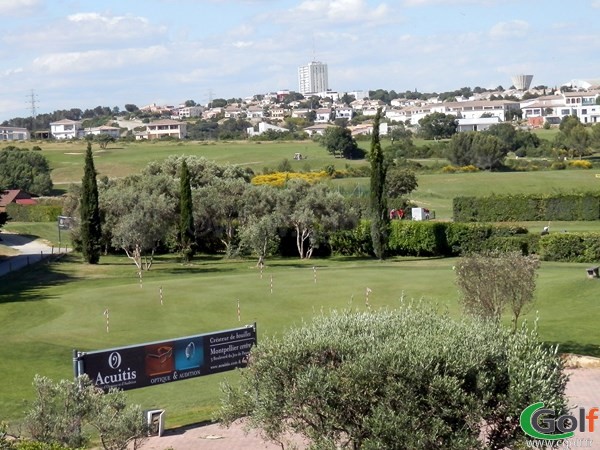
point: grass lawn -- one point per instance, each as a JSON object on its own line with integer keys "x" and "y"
{"x": 120, "y": 159}
{"x": 50, "y": 310}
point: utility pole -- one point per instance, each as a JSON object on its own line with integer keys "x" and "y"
{"x": 32, "y": 100}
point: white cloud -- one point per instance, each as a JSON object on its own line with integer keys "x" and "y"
{"x": 242, "y": 44}
{"x": 98, "y": 60}
{"x": 9, "y": 72}
{"x": 78, "y": 31}
{"x": 513, "y": 28}
{"x": 596, "y": 4}
{"x": 19, "y": 8}
{"x": 340, "y": 11}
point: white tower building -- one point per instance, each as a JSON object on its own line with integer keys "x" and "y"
{"x": 522, "y": 82}
{"x": 313, "y": 78}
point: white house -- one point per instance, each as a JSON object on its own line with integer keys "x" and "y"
{"x": 166, "y": 127}
{"x": 323, "y": 115}
{"x": 343, "y": 112}
{"x": 104, "y": 129}
{"x": 255, "y": 112}
{"x": 264, "y": 126}
{"x": 66, "y": 129}
{"x": 190, "y": 111}
{"x": 480, "y": 124}
{"x": 13, "y": 133}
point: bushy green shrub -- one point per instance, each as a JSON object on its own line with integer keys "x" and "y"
{"x": 33, "y": 213}
{"x": 527, "y": 207}
{"x": 412, "y": 238}
{"x": 373, "y": 380}
{"x": 355, "y": 242}
{"x": 570, "y": 247}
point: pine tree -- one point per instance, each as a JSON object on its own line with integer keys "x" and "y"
{"x": 187, "y": 233}
{"x": 91, "y": 231}
{"x": 380, "y": 221}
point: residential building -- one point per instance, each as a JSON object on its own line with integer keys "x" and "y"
{"x": 317, "y": 129}
{"x": 555, "y": 107}
{"x": 104, "y": 129}
{"x": 264, "y": 126}
{"x": 166, "y": 127}
{"x": 255, "y": 112}
{"x": 189, "y": 111}
{"x": 14, "y": 196}
{"x": 313, "y": 77}
{"x": 66, "y": 129}
{"x": 480, "y": 124}
{"x": 323, "y": 115}
{"x": 13, "y": 133}
{"x": 343, "y": 112}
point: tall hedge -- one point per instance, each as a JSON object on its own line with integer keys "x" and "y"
{"x": 33, "y": 213}
{"x": 570, "y": 247}
{"x": 527, "y": 207}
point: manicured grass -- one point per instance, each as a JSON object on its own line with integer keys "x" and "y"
{"x": 121, "y": 159}
{"x": 50, "y": 310}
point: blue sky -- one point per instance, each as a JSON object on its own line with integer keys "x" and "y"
{"x": 83, "y": 53}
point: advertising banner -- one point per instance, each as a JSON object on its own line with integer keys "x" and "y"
{"x": 177, "y": 359}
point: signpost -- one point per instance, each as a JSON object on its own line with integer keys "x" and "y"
{"x": 161, "y": 362}
{"x": 64, "y": 223}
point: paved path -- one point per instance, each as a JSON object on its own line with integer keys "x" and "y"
{"x": 583, "y": 390}
{"x": 30, "y": 251}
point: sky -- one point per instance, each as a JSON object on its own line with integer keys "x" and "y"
{"x": 65, "y": 54}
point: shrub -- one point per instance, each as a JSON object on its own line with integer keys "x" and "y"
{"x": 279, "y": 178}
{"x": 411, "y": 238}
{"x": 33, "y": 213}
{"x": 570, "y": 247}
{"x": 527, "y": 207}
{"x": 558, "y": 165}
{"x": 580, "y": 164}
{"x": 374, "y": 379}
{"x": 449, "y": 169}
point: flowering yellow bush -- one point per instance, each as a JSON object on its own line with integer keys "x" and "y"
{"x": 454, "y": 169}
{"x": 279, "y": 178}
{"x": 449, "y": 169}
{"x": 580, "y": 164}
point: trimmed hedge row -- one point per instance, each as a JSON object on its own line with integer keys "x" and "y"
{"x": 33, "y": 213}
{"x": 415, "y": 238}
{"x": 570, "y": 247}
{"x": 527, "y": 207}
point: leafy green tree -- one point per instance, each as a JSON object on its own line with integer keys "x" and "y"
{"x": 482, "y": 150}
{"x": 339, "y": 142}
{"x": 400, "y": 182}
{"x": 140, "y": 211}
{"x": 218, "y": 103}
{"x": 260, "y": 221}
{"x": 491, "y": 282}
{"x": 380, "y": 221}
{"x": 595, "y": 136}
{"x": 373, "y": 380}
{"x": 26, "y": 170}
{"x": 104, "y": 139}
{"x": 90, "y": 224}
{"x": 314, "y": 211}
{"x": 578, "y": 141}
{"x": 61, "y": 412}
{"x": 187, "y": 235}
{"x": 437, "y": 126}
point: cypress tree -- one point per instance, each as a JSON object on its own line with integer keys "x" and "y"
{"x": 380, "y": 220}
{"x": 91, "y": 231}
{"x": 187, "y": 233}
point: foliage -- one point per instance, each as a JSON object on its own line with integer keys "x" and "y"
{"x": 524, "y": 207}
{"x": 139, "y": 211}
{"x": 374, "y": 379}
{"x": 90, "y": 222}
{"x": 339, "y": 142}
{"x": 437, "y": 126}
{"x": 570, "y": 247}
{"x": 187, "y": 235}
{"x": 380, "y": 220}
{"x": 400, "y": 182}
{"x": 314, "y": 211}
{"x": 24, "y": 169}
{"x": 491, "y": 282}
{"x": 485, "y": 151}
{"x": 279, "y": 179}
{"x": 45, "y": 212}
{"x": 62, "y": 410}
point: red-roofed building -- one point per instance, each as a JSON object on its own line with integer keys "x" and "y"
{"x": 15, "y": 196}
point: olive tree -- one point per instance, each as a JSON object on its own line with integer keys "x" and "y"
{"x": 491, "y": 282}
{"x": 372, "y": 380}
{"x": 62, "y": 411}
